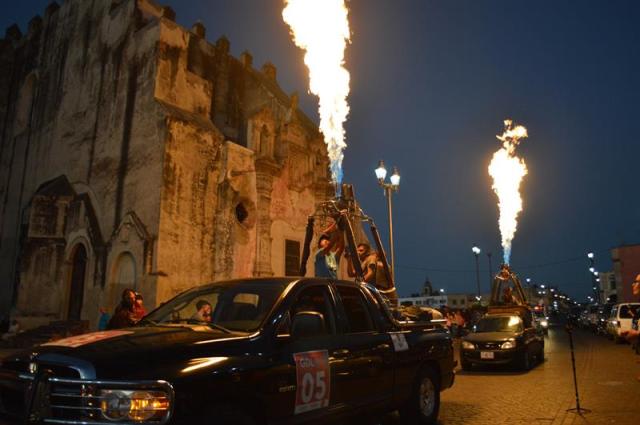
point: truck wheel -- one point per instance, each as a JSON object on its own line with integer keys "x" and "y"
{"x": 424, "y": 402}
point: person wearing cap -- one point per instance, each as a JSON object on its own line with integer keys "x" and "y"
{"x": 330, "y": 248}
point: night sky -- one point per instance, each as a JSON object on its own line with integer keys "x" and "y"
{"x": 432, "y": 82}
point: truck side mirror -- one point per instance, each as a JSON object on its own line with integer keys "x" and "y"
{"x": 307, "y": 324}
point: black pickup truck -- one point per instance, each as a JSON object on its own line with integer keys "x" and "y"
{"x": 272, "y": 350}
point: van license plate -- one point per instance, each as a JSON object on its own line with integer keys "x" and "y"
{"x": 486, "y": 354}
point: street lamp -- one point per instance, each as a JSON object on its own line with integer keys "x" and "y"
{"x": 381, "y": 174}
{"x": 594, "y": 274}
{"x": 476, "y": 251}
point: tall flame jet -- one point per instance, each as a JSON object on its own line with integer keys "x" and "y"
{"x": 507, "y": 171}
{"x": 321, "y": 28}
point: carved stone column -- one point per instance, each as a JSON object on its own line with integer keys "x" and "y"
{"x": 266, "y": 169}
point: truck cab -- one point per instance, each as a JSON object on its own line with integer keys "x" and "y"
{"x": 270, "y": 350}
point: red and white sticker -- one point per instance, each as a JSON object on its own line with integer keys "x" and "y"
{"x": 313, "y": 378}
{"x": 84, "y": 339}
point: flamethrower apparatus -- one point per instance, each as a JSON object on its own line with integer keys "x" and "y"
{"x": 347, "y": 214}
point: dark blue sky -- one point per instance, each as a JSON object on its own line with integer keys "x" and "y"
{"x": 432, "y": 82}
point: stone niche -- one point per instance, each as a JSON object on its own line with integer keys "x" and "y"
{"x": 129, "y": 261}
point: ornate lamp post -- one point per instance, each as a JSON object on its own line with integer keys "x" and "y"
{"x": 476, "y": 251}
{"x": 389, "y": 188}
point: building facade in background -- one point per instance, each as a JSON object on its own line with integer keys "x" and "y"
{"x": 453, "y": 301}
{"x": 626, "y": 266}
{"x": 608, "y": 287}
{"x": 134, "y": 153}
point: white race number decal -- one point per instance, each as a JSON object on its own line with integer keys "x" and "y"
{"x": 313, "y": 384}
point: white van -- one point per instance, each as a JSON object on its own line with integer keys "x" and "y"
{"x": 620, "y": 319}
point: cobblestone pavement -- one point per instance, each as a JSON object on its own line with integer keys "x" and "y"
{"x": 606, "y": 375}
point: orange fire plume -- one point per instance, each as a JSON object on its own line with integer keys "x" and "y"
{"x": 507, "y": 171}
{"x": 321, "y": 28}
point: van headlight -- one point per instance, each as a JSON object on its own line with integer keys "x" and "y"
{"x": 466, "y": 345}
{"x": 508, "y": 345}
{"x": 134, "y": 405}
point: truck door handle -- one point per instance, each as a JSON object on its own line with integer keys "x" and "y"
{"x": 383, "y": 347}
{"x": 340, "y": 353}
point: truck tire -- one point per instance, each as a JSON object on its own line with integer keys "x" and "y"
{"x": 423, "y": 404}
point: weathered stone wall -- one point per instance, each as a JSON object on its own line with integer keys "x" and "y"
{"x": 164, "y": 159}
{"x": 80, "y": 104}
{"x": 243, "y": 168}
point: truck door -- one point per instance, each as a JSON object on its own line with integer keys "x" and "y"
{"x": 369, "y": 355}
{"x": 301, "y": 384}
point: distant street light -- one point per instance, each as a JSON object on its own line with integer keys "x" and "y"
{"x": 476, "y": 251}
{"x": 381, "y": 174}
{"x": 490, "y": 270}
{"x": 594, "y": 274}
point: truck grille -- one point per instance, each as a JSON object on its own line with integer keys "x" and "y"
{"x": 56, "y": 400}
{"x": 489, "y": 345}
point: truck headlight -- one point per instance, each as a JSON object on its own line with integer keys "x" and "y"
{"x": 508, "y": 345}
{"x": 466, "y": 345}
{"x": 544, "y": 324}
{"x": 134, "y": 405}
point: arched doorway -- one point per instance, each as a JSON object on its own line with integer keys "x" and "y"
{"x": 76, "y": 292}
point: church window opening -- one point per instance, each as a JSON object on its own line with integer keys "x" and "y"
{"x": 291, "y": 258}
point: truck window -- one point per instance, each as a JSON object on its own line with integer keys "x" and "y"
{"x": 317, "y": 299}
{"x": 380, "y": 310}
{"x": 355, "y": 308}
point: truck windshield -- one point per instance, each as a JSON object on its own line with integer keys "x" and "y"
{"x": 239, "y": 306}
{"x": 499, "y": 324}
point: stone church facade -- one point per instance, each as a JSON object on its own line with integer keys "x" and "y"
{"x": 134, "y": 153}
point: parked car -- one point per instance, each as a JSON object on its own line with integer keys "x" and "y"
{"x": 505, "y": 338}
{"x": 621, "y": 320}
{"x": 541, "y": 320}
{"x": 274, "y": 350}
